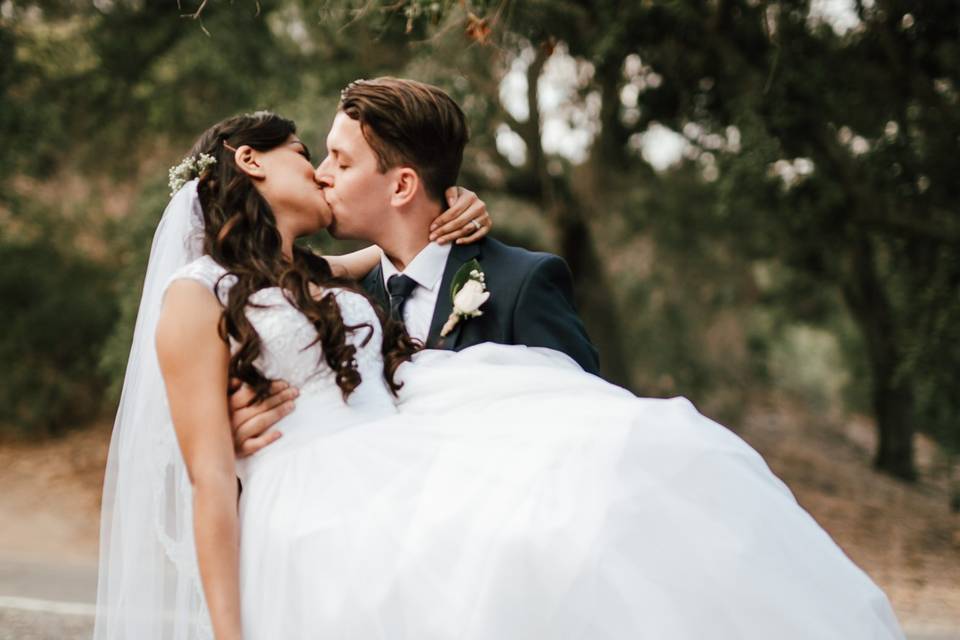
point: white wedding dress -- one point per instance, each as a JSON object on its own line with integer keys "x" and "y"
{"x": 508, "y": 495}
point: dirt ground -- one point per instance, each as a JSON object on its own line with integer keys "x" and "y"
{"x": 50, "y": 496}
{"x": 904, "y": 536}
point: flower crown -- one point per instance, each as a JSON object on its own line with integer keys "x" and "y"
{"x": 189, "y": 168}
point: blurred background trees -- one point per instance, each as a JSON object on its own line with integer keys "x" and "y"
{"x": 757, "y": 198}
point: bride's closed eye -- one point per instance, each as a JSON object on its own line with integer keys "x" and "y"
{"x": 304, "y": 151}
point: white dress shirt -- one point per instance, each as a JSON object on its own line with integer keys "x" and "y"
{"x": 426, "y": 269}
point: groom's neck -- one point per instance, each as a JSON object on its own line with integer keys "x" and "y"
{"x": 402, "y": 253}
{"x": 409, "y": 235}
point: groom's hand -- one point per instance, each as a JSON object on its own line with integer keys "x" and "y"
{"x": 465, "y": 221}
{"x": 250, "y": 422}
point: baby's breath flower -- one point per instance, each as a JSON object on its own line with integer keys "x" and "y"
{"x": 204, "y": 162}
{"x": 189, "y": 168}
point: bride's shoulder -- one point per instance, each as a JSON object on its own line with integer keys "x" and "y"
{"x": 207, "y": 272}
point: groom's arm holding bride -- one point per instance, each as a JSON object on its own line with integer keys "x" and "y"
{"x": 251, "y": 422}
{"x": 543, "y": 314}
{"x": 546, "y": 315}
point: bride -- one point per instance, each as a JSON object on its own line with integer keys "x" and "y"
{"x": 495, "y": 493}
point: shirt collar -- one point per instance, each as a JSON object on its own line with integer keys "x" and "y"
{"x": 426, "y": 269}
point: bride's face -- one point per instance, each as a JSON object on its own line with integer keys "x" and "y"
{"x": 286, "y": 179}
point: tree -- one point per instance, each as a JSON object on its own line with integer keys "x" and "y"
{"x": 842, "y": 168}
{"x": 828, "y": 153}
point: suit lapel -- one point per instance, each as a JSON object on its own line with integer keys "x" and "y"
{"x": 459, "y": 254}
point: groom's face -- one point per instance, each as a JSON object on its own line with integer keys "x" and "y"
{"x": 357, "y": 192}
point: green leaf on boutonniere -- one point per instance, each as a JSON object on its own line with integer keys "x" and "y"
{"x": 462, "y": 275}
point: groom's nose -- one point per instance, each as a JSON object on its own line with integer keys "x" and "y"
{"x": 322, "y": 176}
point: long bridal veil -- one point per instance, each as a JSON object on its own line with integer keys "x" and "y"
{"x": 149, "y": 587}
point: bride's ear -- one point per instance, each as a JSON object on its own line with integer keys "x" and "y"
{"x": 248, "y": 161}
{"x": 404, "y": 187}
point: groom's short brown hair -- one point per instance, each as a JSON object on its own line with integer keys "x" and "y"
{"x": 410, "y": 123}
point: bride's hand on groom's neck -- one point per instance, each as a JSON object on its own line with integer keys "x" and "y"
{"x": 466, "y": 221}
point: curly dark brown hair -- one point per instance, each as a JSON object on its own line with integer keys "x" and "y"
{"x": 241, "y": 234}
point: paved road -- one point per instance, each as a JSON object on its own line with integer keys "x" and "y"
{"x": 35, "y": 578}
{"x": 39, "y": 601}
{"x": 19, "y": 624}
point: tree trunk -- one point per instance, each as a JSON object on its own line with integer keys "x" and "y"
{"x": 893, "y": 405}
{"x": 595, "y": 297}
{"x": 892, "y": 396}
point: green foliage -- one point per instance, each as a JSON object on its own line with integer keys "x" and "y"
{"x": 874, "y": 215}
{"x": 58, "y": 309}
{"x": 727, "y": 273}
{"x": 131, "y": 242}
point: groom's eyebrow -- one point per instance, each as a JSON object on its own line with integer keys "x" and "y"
{"x": 335, "y": 151}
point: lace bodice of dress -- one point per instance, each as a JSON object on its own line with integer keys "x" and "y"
{"x": 286, "y": 336}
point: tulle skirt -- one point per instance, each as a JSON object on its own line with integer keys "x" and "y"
{"x": 515, "y": 497}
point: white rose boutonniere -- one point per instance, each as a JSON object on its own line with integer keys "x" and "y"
{"x": 468, "y": 292}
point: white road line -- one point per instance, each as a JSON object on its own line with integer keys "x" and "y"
{"x": 48, "y": 606}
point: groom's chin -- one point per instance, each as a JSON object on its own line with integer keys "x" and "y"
{"x": 342, "y": 231}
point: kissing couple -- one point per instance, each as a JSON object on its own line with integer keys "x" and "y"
{"x": 420, "y": 447}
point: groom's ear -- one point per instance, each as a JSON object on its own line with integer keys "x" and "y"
{"x": 248, "y": 161}
{"x": 405, "y": 185}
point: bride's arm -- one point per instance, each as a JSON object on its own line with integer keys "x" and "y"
{"x": 454, "y": 224}
{"x": 354, "y": 265}
{"x": 194, "y": 362}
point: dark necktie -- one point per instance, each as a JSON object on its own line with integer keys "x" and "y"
{"x": 400, "y": 288}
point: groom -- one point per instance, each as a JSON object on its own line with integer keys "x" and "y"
{"x": 394, "y": 147}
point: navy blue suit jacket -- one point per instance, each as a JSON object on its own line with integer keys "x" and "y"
{"x": 531, "y": 302}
